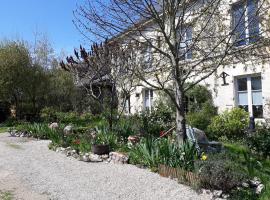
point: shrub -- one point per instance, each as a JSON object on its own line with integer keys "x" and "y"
{"x": 48, "y": 114}
{"x": 197, "y": 97}
{"x": 126, "y": 126}
{"x": 159, "y": 119}
{"x": 219, "y": 172}
{"x": 231, "y": 124}
{"x": 201, "y": 119}
{"x": 260, "y": 141}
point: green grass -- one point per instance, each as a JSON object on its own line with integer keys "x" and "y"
{"x": 6, "y": 195}
{"x": 3, "y": 129}
{"x": 263, "y": 173}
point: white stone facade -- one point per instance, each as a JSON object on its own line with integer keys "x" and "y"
{"x": 225, "y": 96}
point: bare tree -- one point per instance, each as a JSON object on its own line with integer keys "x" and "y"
{"x": 102, "y": 69}
{"x": 179, "y": 42}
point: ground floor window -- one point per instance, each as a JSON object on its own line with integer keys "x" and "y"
{"x": 148, "y": 99}
{"x": 127, "y": 104}
{"x": 249, "y": 95}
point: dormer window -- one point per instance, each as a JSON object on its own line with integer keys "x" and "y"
{"x": 245, "y": 22}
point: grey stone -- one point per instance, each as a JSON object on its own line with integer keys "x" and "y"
{"x": 68, "y": 130}
{"x": 119, "y": 158}
{"x": 217, "y": 193}
{"x": 255, "y": 182}
{"x": 54, "y": 125}
{"x": 259, "y": 189}
{"x": 95, "y": 158}
{"x": 86, "y": 158}
{"x": 245, "y": 185}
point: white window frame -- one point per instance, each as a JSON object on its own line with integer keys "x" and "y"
{"x": 245, "y": 5}
{"x": 249, "y": 92}
{"x": 148, "y": 93}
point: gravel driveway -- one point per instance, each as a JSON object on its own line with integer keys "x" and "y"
{"x": 30, "y": 171}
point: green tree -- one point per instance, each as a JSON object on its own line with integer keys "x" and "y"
{"x": 14, "y": 64}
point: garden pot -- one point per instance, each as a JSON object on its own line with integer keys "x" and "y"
{"x": 101, "y": 149}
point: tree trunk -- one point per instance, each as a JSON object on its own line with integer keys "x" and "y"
{"x": 180, "y": 114}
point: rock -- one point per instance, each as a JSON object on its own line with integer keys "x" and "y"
{"x": 68, "y": 153}
{"x": 225, "y": 196}
{"x": 86, "y": 158}
{"x": 255, "y": 182}
{"x": 58, "y": 149}
{"x": 217, "y": 193}
{"x": 133, "y": 139}
{"x": 104, "y": 157}
{"x": 68, "y": 149}
{"x": 117, "y": 157}
{"x": 68, "y": 130}
{"x": 259, "y": 189}
{"x": 75, "y": 155}
{"x": 245, "y": 185}
{"x": 54, "y": 125}
{"x": 95, "y": 158}
{"x": 73, "y": 152}
{"x": 204, "y": 191}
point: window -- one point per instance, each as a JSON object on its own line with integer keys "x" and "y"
{"x": 245, "y": 22}
{"x": 147, "y": 56}
{"x": 148, "y": 99}
{"x": 127, "y": 104}
{"x": 249, "y": 95}
{"x": 185, "y": 43}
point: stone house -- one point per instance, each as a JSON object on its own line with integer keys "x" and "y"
{"x": 245, "y": 85}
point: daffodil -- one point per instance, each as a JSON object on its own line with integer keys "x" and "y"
{"x": 203, "y": 157}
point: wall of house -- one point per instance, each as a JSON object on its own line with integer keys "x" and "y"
{"x": 225, "y": 96}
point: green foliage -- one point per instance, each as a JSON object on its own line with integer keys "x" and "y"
{"x": 201, "y": 119}
{"x": 260, "y": 141}
{"x": 151, "y": 153}
{"x": 159, "y": 119}
{"x": 126, "y": 126}
{"x": 231, "y": 124}
{"x": 220, "y": 172}
{"x": 29, "y": 85}
{"x": 243, "y": 194}
{"x": 49, "y": 114}
{"x": 197, "y": 97}
{"x": 106, "y": 136}
{"x": 41, "y": 131}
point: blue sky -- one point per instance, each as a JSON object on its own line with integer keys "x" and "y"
{"x": 19, "y": 19}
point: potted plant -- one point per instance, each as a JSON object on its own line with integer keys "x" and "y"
{"x": 103, "y": 141}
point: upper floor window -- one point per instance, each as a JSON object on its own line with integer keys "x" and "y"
{"x": 185, "y": 43}
{"x": 245, "y": 22}
{"x": 249, "y": 95}
{"x": 147, "y": 56}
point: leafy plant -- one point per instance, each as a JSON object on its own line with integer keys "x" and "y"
{"x": 201, "y": 118}
{"x": 231, "y": 124}
{"x": 106, "y": 136}
{"x": 260, "y": 141}
{"x": 220, "y": 172}
{"x": 151, "y": 153}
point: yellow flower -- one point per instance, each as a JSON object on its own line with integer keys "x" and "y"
{"x": 204, "y": 157}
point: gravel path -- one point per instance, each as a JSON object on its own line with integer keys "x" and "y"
{"x": 32, "y": 171}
